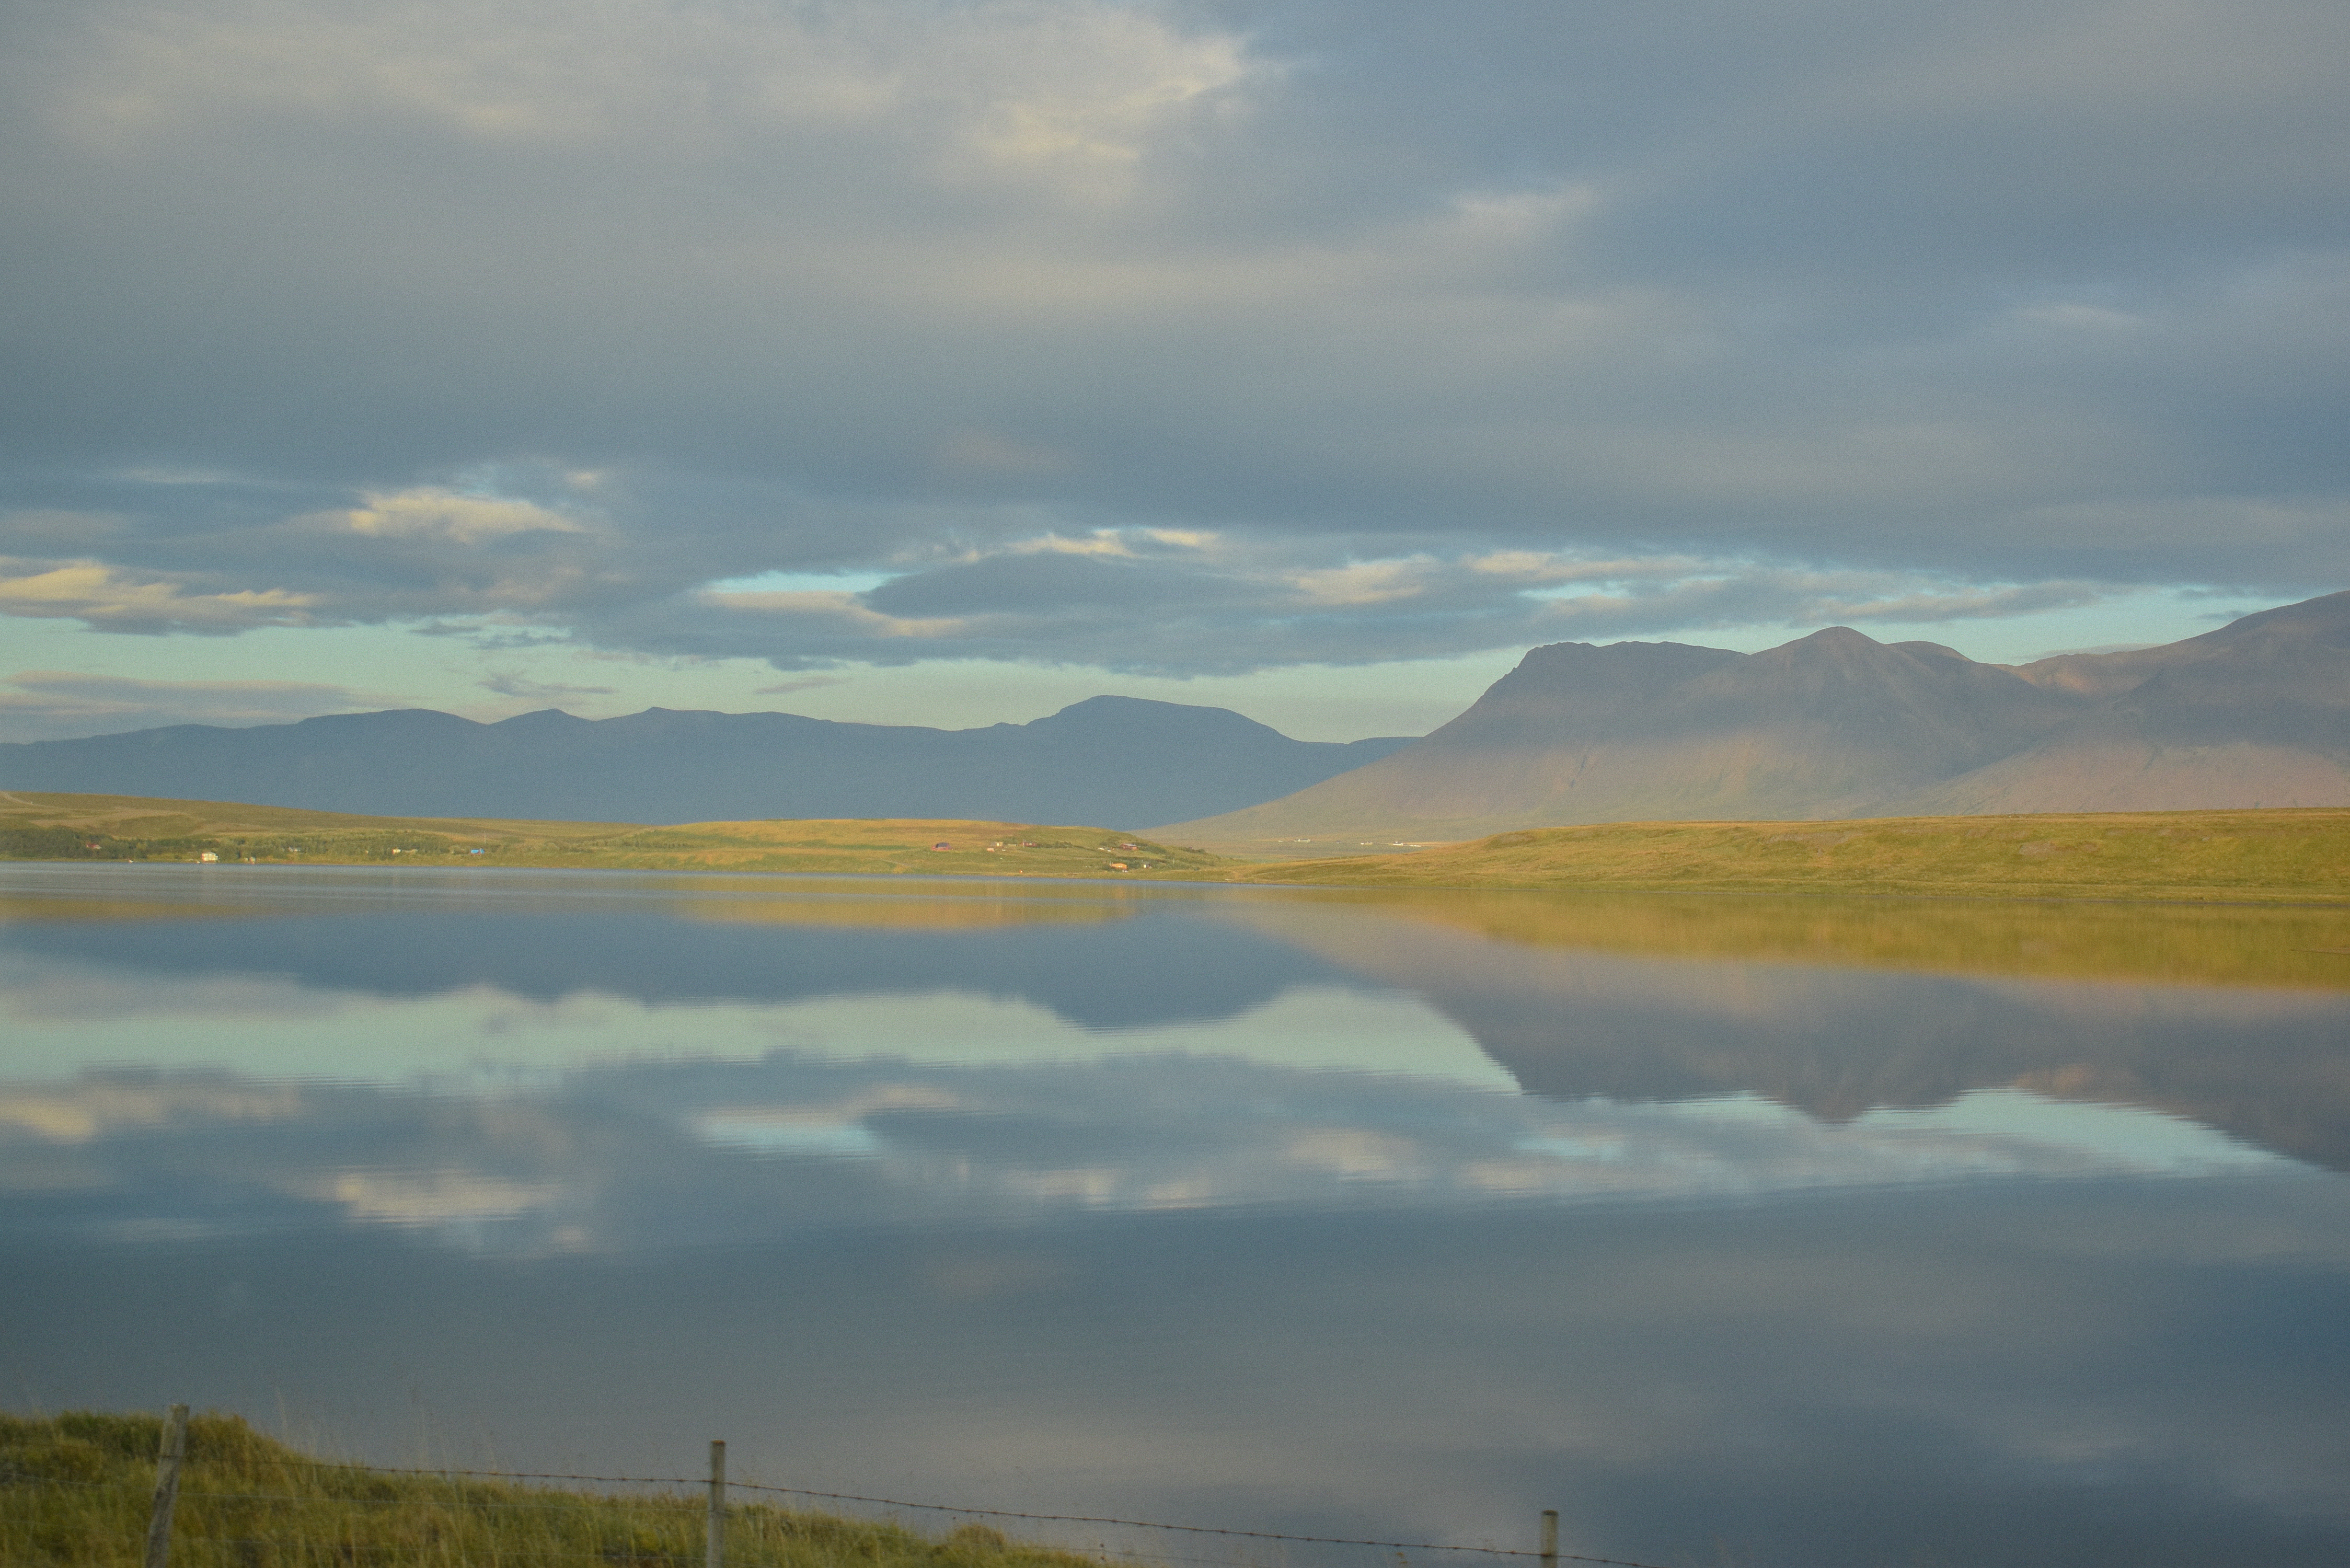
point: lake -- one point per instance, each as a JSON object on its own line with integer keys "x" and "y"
{"x": 1740, "y": 1231}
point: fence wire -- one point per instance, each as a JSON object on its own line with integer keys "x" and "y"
{"x": 643, "y": 1556}
{"x": 733, "y": 1485}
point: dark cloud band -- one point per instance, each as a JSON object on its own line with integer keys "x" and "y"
{"x": 1185, "y": 339}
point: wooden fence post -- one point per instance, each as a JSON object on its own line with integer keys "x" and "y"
{"x": 714, "y": 1551}
{"x": 1550, "y": 1538}
{"x": 167, "y": 1486}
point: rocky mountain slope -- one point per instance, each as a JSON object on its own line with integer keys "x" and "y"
{"x": 1837, "y": 724}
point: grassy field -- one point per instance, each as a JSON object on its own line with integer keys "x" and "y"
{"x": 75, "y": 1490}
{"x": 2294, "y": 856}
{"x": 2301, "y": 855}
{"x": 125, "y": 827}
{"x": 2273, "y": 944}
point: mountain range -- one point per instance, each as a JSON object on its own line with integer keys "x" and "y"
{"x": 1108, "y": 761}
{"x": 1837, "y": 724}
{"x": 1834, "y": 724}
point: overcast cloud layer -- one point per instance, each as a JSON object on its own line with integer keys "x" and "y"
{"x": 1166, "y": 339}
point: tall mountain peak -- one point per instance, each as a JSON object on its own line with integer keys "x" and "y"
{"x": 1835, "y": 723}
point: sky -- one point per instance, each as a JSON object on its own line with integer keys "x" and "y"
{"x": 949, "y": 362}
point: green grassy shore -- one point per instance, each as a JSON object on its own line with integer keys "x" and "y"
{"x": 45, "y": 827}
{"x": 75, "y": 1493}
{"x": 2300, "y": 855}
{"x": 2296, "y": 856}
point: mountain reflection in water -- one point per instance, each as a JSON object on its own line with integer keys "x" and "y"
{"x": 2233, "y": 1017}
{"x": 1823, "y": 1230}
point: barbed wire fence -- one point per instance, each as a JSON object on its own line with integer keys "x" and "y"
{"x": 650, "y": 1521}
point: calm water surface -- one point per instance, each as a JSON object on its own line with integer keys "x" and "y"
{"x": 1775, "y": 1233}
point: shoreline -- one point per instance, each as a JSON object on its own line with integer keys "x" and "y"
{"x": 2259, "y": 856}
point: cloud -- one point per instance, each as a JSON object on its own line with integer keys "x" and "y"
{"x": 510, "y": 684}
{"x": 47, "y": 704}
{"x": 1274, "y": 315}
{"x": 804, "y": 683}
{"x": 401, "y": 555}
{"x": 106, "y": 598}
{"x": 1226, "y": 604}
{"x": 435, "y": 513}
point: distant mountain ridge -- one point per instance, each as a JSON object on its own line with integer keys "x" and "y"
{"x": 1836, "y": 724}
{"x": 1109, "y": 761}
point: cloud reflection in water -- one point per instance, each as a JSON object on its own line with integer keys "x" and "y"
{"x": 872, "y": 1127}
{"x": 516, "y": 1063}
{"x": 1241, "y": 1208}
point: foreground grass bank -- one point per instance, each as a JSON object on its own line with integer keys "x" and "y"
{"x": 75, "y": 1491}
{"x": 2297, "y": 854}
{"x": 45, "y": 827}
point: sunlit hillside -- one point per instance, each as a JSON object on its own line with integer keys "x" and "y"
{"x": 2292, "y": 854}
{"x": 122, "y": 828}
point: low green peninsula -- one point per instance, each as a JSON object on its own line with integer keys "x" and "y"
{"x": 2290, "y": 856}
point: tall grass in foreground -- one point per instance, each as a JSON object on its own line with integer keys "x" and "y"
{"x": 75, "y": 1490}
